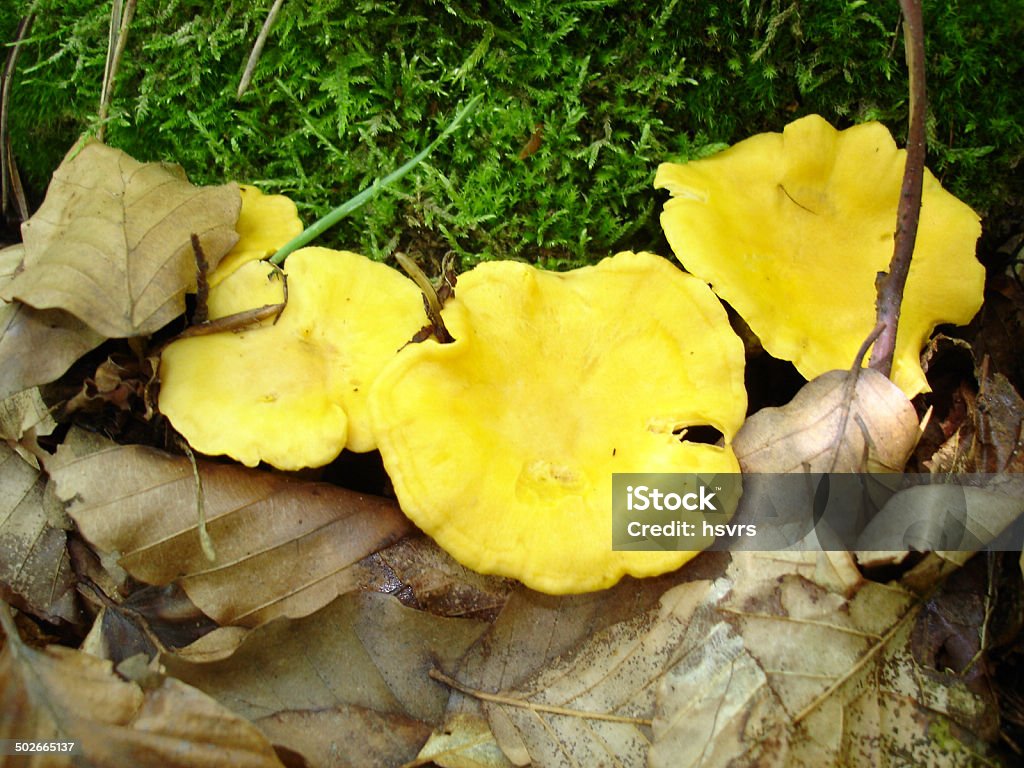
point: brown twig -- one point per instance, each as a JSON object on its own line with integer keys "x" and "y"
{"x": 890, "y": 284}
{"x": 119, "y": 23}
{"x": 10, "y": 182}
{"x": 257, "y": 49}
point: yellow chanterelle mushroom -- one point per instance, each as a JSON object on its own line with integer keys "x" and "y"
{"x": 502, "y": 444}
{"x": 792, "y": 228}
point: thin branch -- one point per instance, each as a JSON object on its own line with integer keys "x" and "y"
{"x": 120, "y": 20}
{"x": 10, "y": 182}
{"x": 257, "y": 49}
{"x": 511, "y": 701}
{"x": 890, "y": 285}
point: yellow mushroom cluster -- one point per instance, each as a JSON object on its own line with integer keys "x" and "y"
{"x": 502, "y": 444}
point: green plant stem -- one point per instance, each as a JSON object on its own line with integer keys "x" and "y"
{"x": 319, "y": 227}
{"x": 890, "y": 284}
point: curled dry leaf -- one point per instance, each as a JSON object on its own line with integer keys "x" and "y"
{"x": 954, "y": 519}
{"x": 287, "y": 678}
{"x": 284, "y": 547}
{"x": 839, "y": 422}
{"x": 465, "y": 741}
{"x": 441, "y": 585}
{"x": 35, "y": 574}
{"x": 59, "y": 693}
{"x": 111, "y": 242}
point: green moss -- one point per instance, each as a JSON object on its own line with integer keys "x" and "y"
{"x": 346, "y": 91}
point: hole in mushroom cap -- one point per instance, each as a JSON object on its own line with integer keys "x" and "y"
{"x": 699, "y": 433}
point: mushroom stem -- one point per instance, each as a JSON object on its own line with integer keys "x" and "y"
{"x": 890, "y": 284}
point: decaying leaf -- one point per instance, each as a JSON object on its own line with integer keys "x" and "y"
{"x": 24, "y": 418}
{"x": 284, "y": 547}
{"x": 111, "y": 242}
{"x": 35, "y": 573}
{"x": 839, "y": 422}
{"x": 439, "y": 584}
{"x": 354, "y": 673}
{"x": 1000, "y": 425}
{"x": 23, "y": 414}
{"x": 786, "y": 672}
{"x": 59, "y": 693}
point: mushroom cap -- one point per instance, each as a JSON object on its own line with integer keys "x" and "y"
{"x": 265, "y": 223}
{"x": 293, "y": 393}
{"x": 792, "y": 228}
{"x": 502, "y": 445}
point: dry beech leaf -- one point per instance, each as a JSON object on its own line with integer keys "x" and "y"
{"x": 110, "y": 243}
{"x": 823, "y": 429}
{"x": 24, "y": 418}
{"x": 571, "y": 680}
{"x": 284, "y": 547}
{"x": 59, "y": 693}
{"x": 780, "y": 671}
{"x": 23, "y": 414}
{"x": 35, "y": 574}
{"x": 354, "y": 673}
{"x": 24, "y": 331}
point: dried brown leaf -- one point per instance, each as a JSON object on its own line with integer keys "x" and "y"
{"x": 288, "y": 673}
{"x": 35, "y": 573}
{"x": 441, "y": 585}
{"x": 59, "y": 693}
{"x": 110, "y": 243}
{"x": 23, "y": 414}
{"x": 834, "y": 424}
{"x": 25, "y": 331}
{"x": 284, "y": 547}
{"x": 1000, "y": 425}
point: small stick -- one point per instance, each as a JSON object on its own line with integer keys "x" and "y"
{"x": 10, "y": 183}
{"x": 511, "y": 701}
{"x": 119, "y": 22}
{"x": 202, "y": 312}
{"x": 257, "y": 49}
{"x": 205, "y": 540}
{"x": 890, "y": 285}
